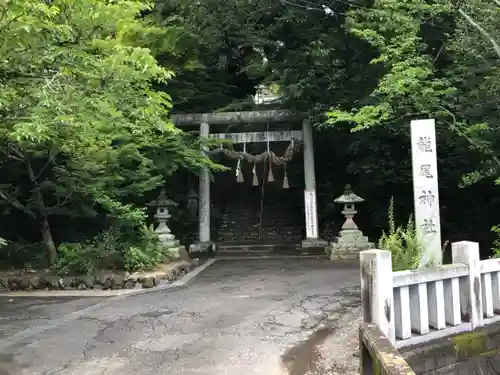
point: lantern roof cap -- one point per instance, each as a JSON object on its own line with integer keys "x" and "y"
{"x": 162, "y": 200}
{"x": 348, "y": 196}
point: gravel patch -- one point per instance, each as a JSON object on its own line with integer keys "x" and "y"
{"x": 332, "y": 349}
{"x": 340, "y": 350}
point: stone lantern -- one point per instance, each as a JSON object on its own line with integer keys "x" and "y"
{"x": 349, "y": 199}
{"x": 350, "y": 240}
{"x": 162, "y": 204}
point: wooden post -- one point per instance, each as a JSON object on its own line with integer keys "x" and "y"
{"x": 377, "y": 290}
{"x": 471, "y": 304}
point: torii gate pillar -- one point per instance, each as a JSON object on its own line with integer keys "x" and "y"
{"x": 310, "y": 206}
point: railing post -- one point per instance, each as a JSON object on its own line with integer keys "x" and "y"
{"x": 471, "y": 304}
{"x": 377, "y": 291}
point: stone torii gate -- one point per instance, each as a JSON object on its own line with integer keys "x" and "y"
{"x": 203, "y": 120}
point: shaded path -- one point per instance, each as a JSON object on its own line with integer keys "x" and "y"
{"x": 238, "y": 317}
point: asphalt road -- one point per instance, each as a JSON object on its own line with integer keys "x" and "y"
{"x": 245, "y": 317}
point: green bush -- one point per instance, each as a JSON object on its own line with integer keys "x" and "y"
{"x": 147, "y": 253}
{"x": 496, "y": 244}
{"x": 115, "y": 249}
{"x": 76, "y": 258}
{"x": 402, "y": 242}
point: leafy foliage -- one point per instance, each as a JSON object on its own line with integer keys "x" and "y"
{"x": 402, "y": 242}
{"x": 410, "y": 86}
{"x": 496, "y": 243}
{"x": 113, "y": 249}
{"x": 82, "y": 130}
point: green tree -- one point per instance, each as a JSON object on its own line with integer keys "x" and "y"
{"x": 80, "y": 125}
{"x": 403, "y": 34}
{"x": 440, "y": 60}
{"x": 473, "y": 111}
{"x": 376, "y": 65}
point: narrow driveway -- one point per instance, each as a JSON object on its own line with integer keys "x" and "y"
{"x": 245, "y": 317}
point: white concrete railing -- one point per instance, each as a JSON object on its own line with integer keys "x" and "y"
{"x": 416, "y": 306}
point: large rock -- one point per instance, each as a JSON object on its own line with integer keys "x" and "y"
{"x": 38, "y": 282}
{"x": 25, "y": 282}
{"x": 149, "y": 282}
{"x": 130, "y": 283}
{"x": 118, "y": 282}
{"x": 183, "y": 268}
{"x": 66, "y": 282}
{"x": 14, "y": 283}
{"x": 169, "y": 276}
{"x": 84, "y": 282}
{"x": 53, "y": 282}
{"x": 105, "y": 279}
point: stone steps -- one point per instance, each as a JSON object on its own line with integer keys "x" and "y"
{"x": 258, "y": 247}
{"x": 243, "y": 221}
{"x": 266, "y": 251}
{"x": 258, "y": 250}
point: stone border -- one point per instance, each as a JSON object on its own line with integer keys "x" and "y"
{"x": 106, "y": 282}
{"x": 378, "y": 355}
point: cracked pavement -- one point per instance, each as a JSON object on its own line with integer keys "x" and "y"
{"x": 268, "y": 317}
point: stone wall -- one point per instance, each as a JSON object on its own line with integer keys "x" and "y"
{"x": 377, "y": 355}
{"x": 476, "y": 352}
{"x": 104, "y": 280}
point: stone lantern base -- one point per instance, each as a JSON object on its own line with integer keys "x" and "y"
{"x": 169, "y": 241}
{"x": 348, "y": 245}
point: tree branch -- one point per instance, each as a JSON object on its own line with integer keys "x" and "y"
{"x": 50, "y": 158}
{"x": 19, "y": 156}
{"x": 483, "y": 32}
{"x": 454, "y": 126}
{"x": 37, "y": 193}
{"x": 15, "y": 203}
{"x": 59, "y": 204}
{"x": 9, "y": 22}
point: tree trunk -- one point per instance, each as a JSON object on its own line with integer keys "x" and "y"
{"x": 48, "y": 241}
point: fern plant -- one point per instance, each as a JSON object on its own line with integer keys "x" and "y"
{"x": 402, "y": 242}
{"x": 496, "y": 244}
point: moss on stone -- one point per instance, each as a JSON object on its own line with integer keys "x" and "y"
{"x": 470, "y": 344}
{"x": 377, "y": 367}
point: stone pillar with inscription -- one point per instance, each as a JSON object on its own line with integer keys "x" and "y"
{"x": 426, "y": 190}
{"x": 350, "y": 240}
{"x": 312, "y": 237}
